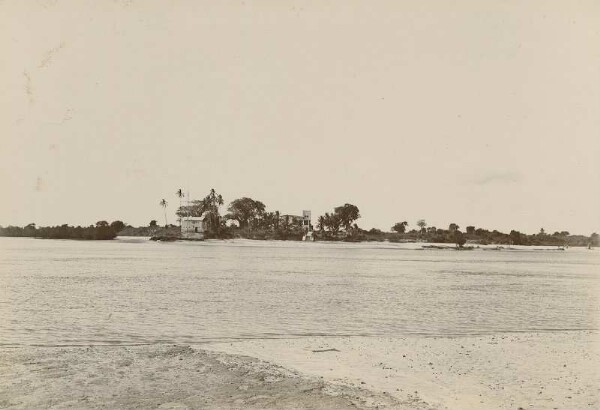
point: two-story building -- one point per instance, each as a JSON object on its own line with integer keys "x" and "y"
{"x": 304, "y": 220}
{"x": 193, "y": 227}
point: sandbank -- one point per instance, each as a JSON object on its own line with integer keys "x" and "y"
{"x": 546, "y": 370}
{"x": 164, "y": 377}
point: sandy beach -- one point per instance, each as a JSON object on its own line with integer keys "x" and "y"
{"x": 512, "y": 371}
{"x": 166, "y": 377}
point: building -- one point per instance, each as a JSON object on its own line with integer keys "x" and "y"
{"x": 306, "y": 221}
{"x": 193, "y": 227}
{"x": 290, "y": 219}
{"x": 303, "y": 220}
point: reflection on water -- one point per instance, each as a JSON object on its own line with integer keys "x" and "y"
{"x": 135, "y": 291}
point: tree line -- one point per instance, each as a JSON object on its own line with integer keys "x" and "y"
{"x": 102, "y": 230}
{"x": 249, "y": 218}
{"x": 252, "y": 220}
{"x": 453, "y": 234}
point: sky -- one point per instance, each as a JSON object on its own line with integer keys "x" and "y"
{"x": 468, "y": 112}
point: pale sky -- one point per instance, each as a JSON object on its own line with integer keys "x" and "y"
{"x": 482, "y": 113}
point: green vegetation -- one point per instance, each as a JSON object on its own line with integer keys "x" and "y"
{"x": 209, "y": 209}
{"x": 342, "y": 218}
{"x": 245, "y": 211}
{"x": 400, "y": 227}
{"x": 482, "y": 236}
{"x": 249, "y": 218}
{"x": 152, "y": 230}
{"x": 269, "y": 225}
{"x": 245, "y": 218}
{"x": 101, "y": 231}
{"x": 421, "y": 224}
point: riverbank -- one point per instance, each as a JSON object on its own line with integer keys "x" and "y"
{"x": 166, "y": 377}
{"x": 511, "y": 371}
{"x": 504, "y": 371}
{"x": 172, "y": 233}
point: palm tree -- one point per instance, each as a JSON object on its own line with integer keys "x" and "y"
{"x": 164, "y": 204}
{"x": 211, "y": 204}
{"x": 180, "y": 195}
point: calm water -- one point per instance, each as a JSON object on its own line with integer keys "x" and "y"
{"x": 55, "y": 292}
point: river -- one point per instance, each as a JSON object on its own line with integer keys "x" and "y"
{"x": 134, "y": 291}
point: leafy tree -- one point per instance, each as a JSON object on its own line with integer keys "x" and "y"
{"x": 343, "y": 215}
{"x": 152, "y": 223}
{"x": 421, "y": 224}
{"x": 481, "y": 232}
{"x": 195, "y": 209}
{"x": 286, "y": 226}
{"x": 400, "y": 227}
{"x": 515, "y": 237}
{"x": 333, "y": 222}
{"x": 29, "y": 230}
{"x": 269, "y": 220}
{"x": 117, "y": 226}
{"x": 459, "y": 238}
{"x": 103, "y": 231}
{"x": 470, "y": 230}
{"x": 594, "y": 239}
{"x": 347, "y": 214}
{"x": 453, "y": 227}
{"x": 245, "y": 210}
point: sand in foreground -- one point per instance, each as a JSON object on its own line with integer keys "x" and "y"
{"x": 558, "y": 370}
{"x": 166, "y": 377}
{"x": 512, "y": 371}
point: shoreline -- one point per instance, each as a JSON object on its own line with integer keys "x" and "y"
{"x": 526, "y": 370}
{"x": 411, "y": 244}
{"x": 541, "y": 370}
{"x": 471, "y": 244}
{"x": 167, "y": 377}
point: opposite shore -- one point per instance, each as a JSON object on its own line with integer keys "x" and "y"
{"x": 249, "y": 218}
{"x": 103, "y": 230}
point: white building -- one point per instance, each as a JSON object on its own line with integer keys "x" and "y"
{"x": 193, "y": 227}
{"x": 306, "y": 220}
{"x": 307, "y": 225}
